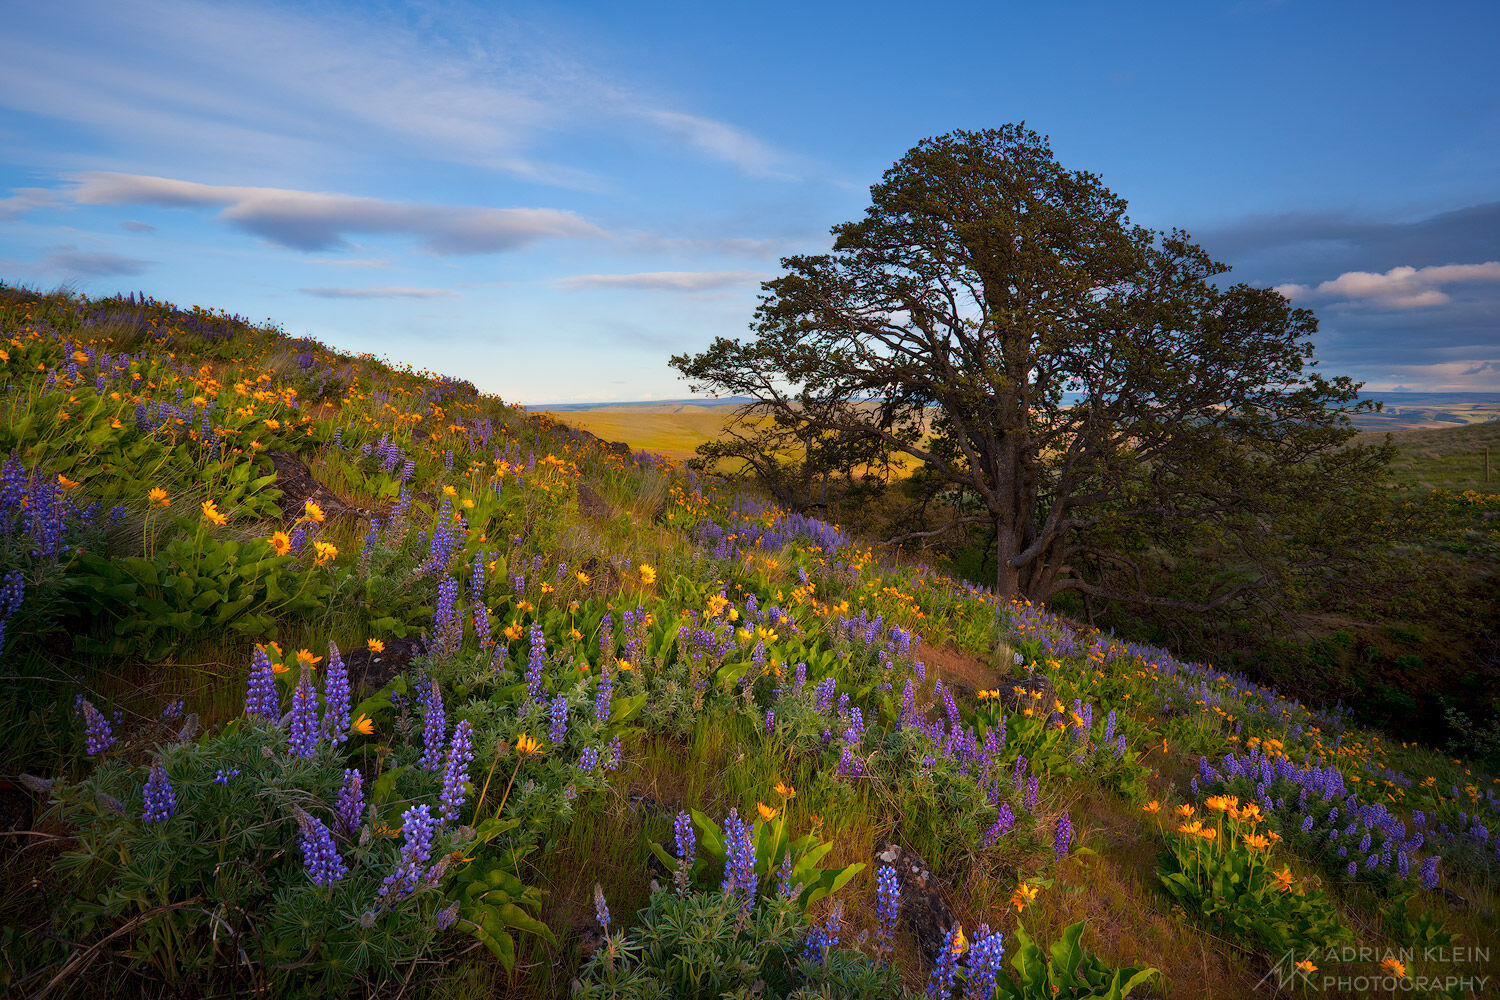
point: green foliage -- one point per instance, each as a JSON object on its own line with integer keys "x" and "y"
{"x": 703, "y": 947}
{"x": 1230, "y": 884}
{"x": 218, "y": 891}
{"x": 772, "y": 845}
{"x": 196, "y": 584}
{"x": 1067, "y": 969}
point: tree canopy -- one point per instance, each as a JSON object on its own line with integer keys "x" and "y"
{"x": 1084, "y": 388}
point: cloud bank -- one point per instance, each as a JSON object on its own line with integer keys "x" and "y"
{"x": 1398, "y": 288}
{"x": 312, "y": 220}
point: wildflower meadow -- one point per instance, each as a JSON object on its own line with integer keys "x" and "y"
{"x": 325, "y": 676}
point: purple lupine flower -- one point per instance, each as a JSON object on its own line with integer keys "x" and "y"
{"x": 786, "y": 886}
{"x": 225, "y": 775}
{"x": 770, "y": 721}
{"x": 986, "y": 959}
{"x": 1429, "y": 872}
{"x": 336, "y": 698}
{"x": 98, "y": 734}
{"x": 602, "y": 695}
{"x": 445, "y": 917}
{"x": 739, "y": 861}
{"x": 1033, "y": 787}
{"x": 887, "y": 909}
{"x": 824, "y": 937}
{"x": 173, "y": 710}
{"x": 447, "y": 626}
{"x": 686, "y": 843}
{"x": 262, "y": 699}
{"x": 908, "y": 705}
{"x": 417, "y": 828}
{"x": 1003, "y": 822}
{"x": 351, "y": 801}
{"x": 456, "y": 772}
{"x": 945, "y": 972}
{"x": 607, "y": 636}
{"x": 320, "y": 856}
{"x": 1062, "y": 841}
{"x": 588, "y": 760}
{"x": 304, "y": 735}
{"x": 160, "y": 800}
{"x": 536, "y": 664}
{"x": 612, "y": 762}
{"x": 601, "y": 908}
{"x": 12, "y": 588}
{"x": 559, "y": 710}
{"x": 434, "y": 730}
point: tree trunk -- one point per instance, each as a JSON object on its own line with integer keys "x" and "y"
{"x": 1007, "y": 576}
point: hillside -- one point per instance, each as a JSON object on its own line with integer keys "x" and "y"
{"x": 329, "y": 676}
{"x": 1445, "y": 458}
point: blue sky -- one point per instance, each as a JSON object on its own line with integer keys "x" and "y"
{"x": 551, "y": 198}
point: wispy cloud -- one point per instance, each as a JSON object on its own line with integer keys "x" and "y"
{"x": 137, "y": 226}
{"x": 380, "y": 292}
{"x": 1398, "y": 288}
{"x": 23, "y": 201}
{"x": 312, "y": 220}
{"x": 92, "y": 265}
{"x": 664, "y": 281}
{"x": 290, "y": 86}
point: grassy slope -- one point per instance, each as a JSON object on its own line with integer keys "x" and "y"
{"x": 1445, "y": 457}
{"x": 724, "y": 760}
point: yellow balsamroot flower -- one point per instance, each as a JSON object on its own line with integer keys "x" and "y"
{"x": 582, "y": 576}
{"x": 1208, "y": 834}
{"x": 306, "y": 656}
{"x": 960, "y": 943}
{"x": 313, "y": 512}
{"x": 624, "y": 664}
{"x": 211, "y": 513}
{"x": 1284, "y": 878}
{"x": 159, "y": 497}
{"x": 273, "y": 425}
{"x": 767, "y": 813}
{"x": 1222, "y": 803}
{"x": 528, "y": 746}
{"x": 65, "y": 482}
{"x": 326, "y": 551}
{"x": 1256, "y": 841}
{"x": 280, "y": 542}
{"x": 785, "y": 791}
{"x": 1152, "y": 807}
{"x": 1023, "y": 895}
{"x": 648, "y": 574}
{"x": 1184, "y": 810}
{"x": 574, "y": 634}
{"x": 450, "y": 491}
{"x": 1393, "y": 967}
{"x": 1306, "y": 966}
{"x": 363, "y": 725}
{"x": 513, "y": 631}
{"x": 1190, "y": 828}
{"x": 375, "y": 645}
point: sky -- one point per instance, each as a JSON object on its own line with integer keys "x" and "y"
{"x": 550, "y": 199}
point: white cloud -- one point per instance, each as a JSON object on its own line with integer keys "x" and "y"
{"x": 1398, "y": 288}
{"x": 380, "y": 292}
{"x": 664, "y": 281}
{"x": 313, "y": 220}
